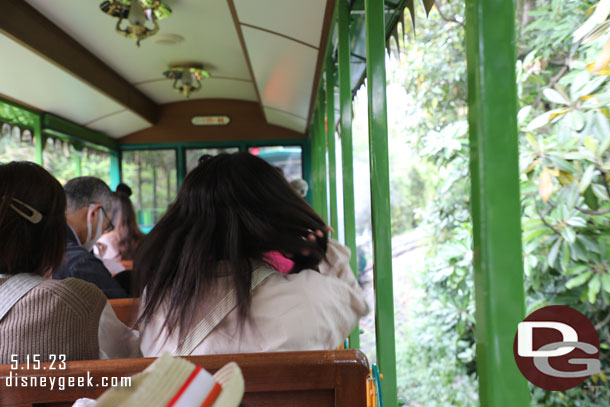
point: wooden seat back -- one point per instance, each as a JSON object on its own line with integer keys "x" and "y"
{"x": 295, "y": 379}
{"x": 126, "y": 309}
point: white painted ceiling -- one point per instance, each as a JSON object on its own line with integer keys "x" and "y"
{"x": 282, "y": 39}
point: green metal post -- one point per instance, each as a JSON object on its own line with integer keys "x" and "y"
{"x": 180, "y": 164}
{"x": 330, "y": 136}
{"x": 323, "y": 149}
{"x": 494, "y": 168}
{"x": 347, "y": 152}
{"x": 318, "y": 170}
{"x": 38, "y": 141}
{"x": 380, "y": 197}
{"x": 115, "y": 169}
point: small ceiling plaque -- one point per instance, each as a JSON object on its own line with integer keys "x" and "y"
{"x": 211, "y": 120}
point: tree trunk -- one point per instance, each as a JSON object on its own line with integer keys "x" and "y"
{"x": 524, "y": 8}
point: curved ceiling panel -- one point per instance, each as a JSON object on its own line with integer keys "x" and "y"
{"x": 118, "y": 124}
{"x": 207, "y": 26}
{"x": 26, "y": 76}
{"x": 283, "y": 70}
{"x": 287, "y": 120}
{"x": 297, "y": 19}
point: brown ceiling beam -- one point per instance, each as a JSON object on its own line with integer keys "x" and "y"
{"x": 24, "y": 24}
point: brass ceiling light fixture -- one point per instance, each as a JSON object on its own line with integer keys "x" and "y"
{"x": 138, "y": 13}
{"x": 187, "y": 77}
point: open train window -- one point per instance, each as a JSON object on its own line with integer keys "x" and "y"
{"x": 13, "y": 146}
{"x": 288, "y": 158}
{"x": 58, "y": 159}
{"x": 151, "y": 174}
{"x": 193, "y": 154}
{"x": 96, "y": 163}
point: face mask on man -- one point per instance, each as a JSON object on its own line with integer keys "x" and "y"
{"x": 92, "y": 237}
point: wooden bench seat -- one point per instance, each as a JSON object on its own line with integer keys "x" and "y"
{"x": 126, "y": 309}
{"x": 287, "y": 379}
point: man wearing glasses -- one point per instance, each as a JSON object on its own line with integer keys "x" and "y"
{"x": 89, "y": 201}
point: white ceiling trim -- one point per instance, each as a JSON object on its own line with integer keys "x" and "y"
{"x": 28, "y": 77}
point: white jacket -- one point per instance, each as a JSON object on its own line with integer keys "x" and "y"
{"x": 289, "y": 312}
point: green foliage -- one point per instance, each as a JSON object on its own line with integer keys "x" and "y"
{"x": 564, "y": 91}
{"x": 152, "y": 176}
{"x": 12, "y": 149}
{"x": 565, "y": 163}
{"x": 436, "y": 353}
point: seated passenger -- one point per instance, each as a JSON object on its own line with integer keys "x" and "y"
{"x": 89, "y": 199}
{"x": 119, "y": 245}
{"x": 206, "y": 287}
{"x": 40, "y": 316}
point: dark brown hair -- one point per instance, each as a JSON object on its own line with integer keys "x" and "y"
{"x": 230, "y": 211}
{"x": 26, "y": 247}
{"x": 124, "y": 221}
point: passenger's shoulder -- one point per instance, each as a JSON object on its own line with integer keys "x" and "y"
{"x": 336, "y": 253}
{"x": 85, "y": 262}
{"x": 76, "y": 292}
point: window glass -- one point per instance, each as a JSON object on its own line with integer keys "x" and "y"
{"x": 16, "y": 144}
{"x": 96, "y": 163}
{"x": 288, "y": 158}
{"x": 58, "y": 159}
{"x": 151, "y": 174}
{"x": 193, "y": 154}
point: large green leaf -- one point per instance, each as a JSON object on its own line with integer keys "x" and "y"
{"x": 594, "y": 287}
{"x": 587, "y": 176}
{"x": 553, "y": 96}
{"x": 605, "y": 280}
{"x": 578, "y": 280}
{"x": 553, "y": 253}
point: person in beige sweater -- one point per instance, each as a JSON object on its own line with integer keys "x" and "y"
{"x": 206, "y": 287}
{"x": 53, "y": 319}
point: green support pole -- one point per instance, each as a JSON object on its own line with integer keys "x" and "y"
{"x": 115, "y": 169}
{"x": 347, "y": 151}
{"x": 494, "y": 168}
{"x": 38, "y": 142}
{"x": 330, "y": 136}
{"x": 180, "y": 164}
{"x": 318, "y": 171}
{"x": 380, "y": 197}
{"x": 323, "y": 148}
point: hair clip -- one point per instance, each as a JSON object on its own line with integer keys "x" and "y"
{"x": 35, "y": 217}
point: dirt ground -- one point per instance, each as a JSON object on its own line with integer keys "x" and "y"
{"x": 408, "y": 258}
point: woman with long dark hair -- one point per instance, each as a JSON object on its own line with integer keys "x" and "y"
{"x": 206, "y": 287}
{"x": 67, "y": 318}
{"x": 121, "y": 243}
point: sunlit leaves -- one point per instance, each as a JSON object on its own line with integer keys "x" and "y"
{"x": 599, "y": 17}
{"x": 545, "y": 184}
{"x": 578, "y": 280}
{"x": 554, "y": 96}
